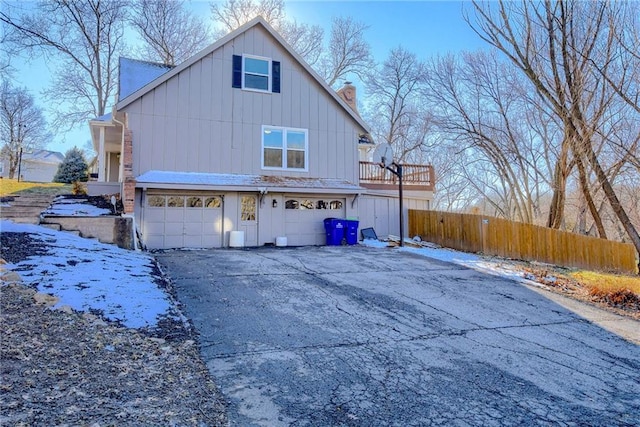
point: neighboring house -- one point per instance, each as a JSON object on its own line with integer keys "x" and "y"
{"x": 244, "y": 136}
{"x": 36, "y": 166}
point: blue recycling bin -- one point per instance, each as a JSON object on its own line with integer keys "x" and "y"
{"x": 351, "y": 232}
{"x": 334, "y": 228}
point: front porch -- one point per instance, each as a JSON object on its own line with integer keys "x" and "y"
{"x": 107, "y": 139}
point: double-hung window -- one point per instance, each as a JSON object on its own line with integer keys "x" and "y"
{"x": 285, "y": 148}
{"x": 256, "y": 73}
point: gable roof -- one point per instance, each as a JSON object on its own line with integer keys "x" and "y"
{"x": 123, "y": 102}
{"x": 134, "y": 74}
{"x": 43, "y": 156}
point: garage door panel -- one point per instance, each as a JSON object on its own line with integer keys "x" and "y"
{"x": 192, "y": 241}
{"x": 182, "y": 220}
{"x": 174, "y": 215}
{"x": 193, "y": 215}
{"x": 173, "y": 228}
{"x": 155, "y": 228}
{"x": 306, "y": 226}
{"x": 155, "y": 241}
{"x": 192, "y": 228}
{"x": 171, "y": 241}
{"x": 210, "y": 216}
{"x": 155, "y": 215}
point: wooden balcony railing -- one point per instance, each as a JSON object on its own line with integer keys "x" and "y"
{"x": 414, "y": 177}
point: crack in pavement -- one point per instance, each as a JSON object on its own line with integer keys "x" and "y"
{"x": 307, "y": 337}
{"x": 420, "y": 337}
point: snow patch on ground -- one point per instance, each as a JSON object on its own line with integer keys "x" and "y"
{"x": 74, "y": 207}
{"x": 472, "y": 261}
{"x": 496, "y": 268}
{"x": 92, "y": 276}
{"x": 374, "y": 243}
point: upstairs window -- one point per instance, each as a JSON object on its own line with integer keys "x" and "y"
{"x": 285, "y": 148}
{"x": 256, "y": 73}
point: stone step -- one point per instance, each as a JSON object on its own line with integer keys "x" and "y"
{"x": 25, "y": 209}
{"x": 29, "y": 200}
{"x": 25, "y": 220}
{"x": 55, "y": 227}
{"x": 39, "y": 208}
{"x": 12, "y": 209}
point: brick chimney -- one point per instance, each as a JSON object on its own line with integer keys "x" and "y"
{"x": 348, "y": 94}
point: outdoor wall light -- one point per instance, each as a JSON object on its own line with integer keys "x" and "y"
{"x": 274, "y": 203}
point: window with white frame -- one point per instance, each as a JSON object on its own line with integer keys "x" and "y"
{"x": 285, "y": 148}
{"x": 256, "y": 73}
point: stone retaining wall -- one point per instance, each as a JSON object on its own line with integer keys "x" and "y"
{"x": 107, "y": 229}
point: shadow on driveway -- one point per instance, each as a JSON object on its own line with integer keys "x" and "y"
{"x": 324, "y": 336}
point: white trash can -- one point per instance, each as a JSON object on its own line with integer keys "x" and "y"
{"x": 236, "y": 239}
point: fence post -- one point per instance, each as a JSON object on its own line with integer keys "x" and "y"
{"x": 484, "y": 233}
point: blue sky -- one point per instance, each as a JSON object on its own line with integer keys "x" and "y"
{"x": 426, "y": 28}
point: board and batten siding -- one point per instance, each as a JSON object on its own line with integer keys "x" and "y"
{"x": 196, "y": 121}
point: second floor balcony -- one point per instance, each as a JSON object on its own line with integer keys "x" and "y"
{"x": 414, "y": 177}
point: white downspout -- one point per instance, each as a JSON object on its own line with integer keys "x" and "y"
{"x": 121, "y": 165}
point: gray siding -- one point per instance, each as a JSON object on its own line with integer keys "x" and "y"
{"x": 197, "y": 122}
{"x": 381, "y": 213}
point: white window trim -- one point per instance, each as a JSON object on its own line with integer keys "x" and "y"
{"x": 269, "y": 75}
{"x": 284, "y": 149}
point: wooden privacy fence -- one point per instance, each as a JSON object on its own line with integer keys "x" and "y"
{"x": 509, "y": 239}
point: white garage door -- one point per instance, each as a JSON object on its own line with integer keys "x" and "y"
{"x": 304, "y": 218}
{"x": 182, "y": 221}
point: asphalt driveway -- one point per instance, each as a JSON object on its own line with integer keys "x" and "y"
{"x": 357, "y": 336}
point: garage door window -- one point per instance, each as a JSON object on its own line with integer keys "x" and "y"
{"x": 191, "y": 202}
{"x": 306, "y": 204}
{"x": 194, "y": 202}
{"x": 213, "y": 202}
{"x": 175, "y": 202}
{"x": 291, "y": 204}
{"x": 156, "y": 201}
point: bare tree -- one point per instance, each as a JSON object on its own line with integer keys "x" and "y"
{"x": 481, "y": 109}
{"x": 454, "y": 192}
{"x": 552, "y": 44}
{"x": 348, "y": 51}
{"x": 170, "y": 32}
{"x": 82, "y": 38}
{"x": 305, "y": 39}
{"x": 234, "y": 13}
{"x": 395, "y": 111}
{"x": 22, "y": 125}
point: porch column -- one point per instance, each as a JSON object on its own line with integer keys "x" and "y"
{"x": 101, "y": 158}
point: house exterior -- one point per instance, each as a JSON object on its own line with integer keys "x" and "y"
{"x": 36, "y": 166}
{"x": 244, "y": 136}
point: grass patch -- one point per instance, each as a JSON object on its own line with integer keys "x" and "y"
{"x": 9, "y": 187}
{"x": 616, "y": 290}
{"x": 607, "y": 282}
